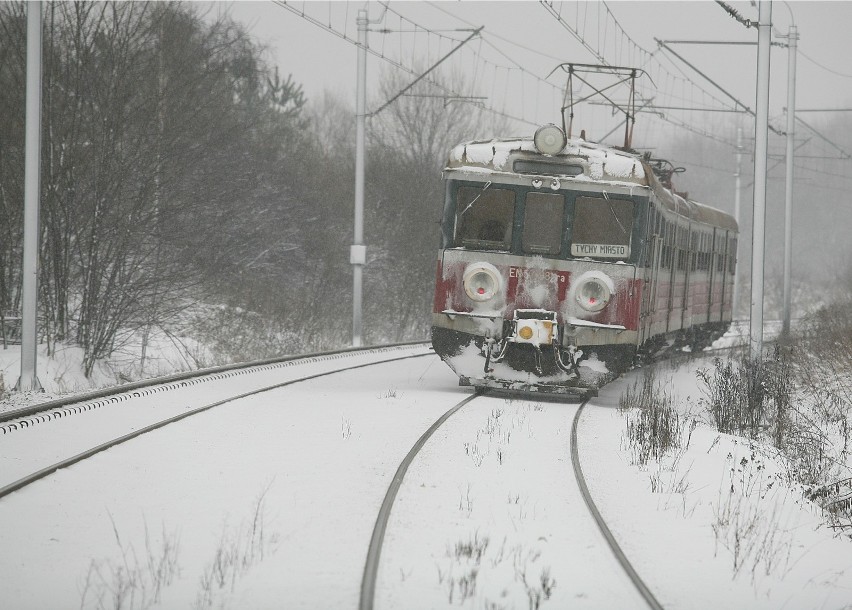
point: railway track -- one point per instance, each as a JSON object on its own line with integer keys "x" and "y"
{"x": 367, "y": 600}
{"x": 189, "y": 395}
{"x": 64, "y": 410}
{"x": 58, "y": 414}
{"x": 31, "y": 415}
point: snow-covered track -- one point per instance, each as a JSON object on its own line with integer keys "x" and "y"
{"x": 367, "y": 600}
{"x": 154, "y": 387}
{"x": 640, "y": 585}
{"x": 374, "y": 552}
{"x": 29, "y": 416}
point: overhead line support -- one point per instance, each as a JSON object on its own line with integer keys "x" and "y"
{"x": 761, "y": 136}
{"x": 792, "y": 41}
{"x": 422, "y": 76}
{"x": 28, "y": 380}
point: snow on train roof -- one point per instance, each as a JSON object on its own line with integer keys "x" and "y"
{"x": 599, "y": 162}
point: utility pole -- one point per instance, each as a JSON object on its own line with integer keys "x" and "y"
{"x": 737, "y": 188}
{"x": 358, "y": 251}
{"x": 792, "y": 38}
{"x": 28, "y": 380}
{"x": 761, "y": 129}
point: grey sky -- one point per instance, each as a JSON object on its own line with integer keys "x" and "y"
{"x": 320, "y": 60}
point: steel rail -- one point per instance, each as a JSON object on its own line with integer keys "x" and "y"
{"x": 40, "y": 474}
{"x": 111, "y": 392}
{"x": 643, "y": 589}
{"x": 374, "y": 552}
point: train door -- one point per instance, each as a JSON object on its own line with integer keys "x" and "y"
{"x": 688, "y": 262}
{"x": 723, "y": 271}
{"x": 711, "y": 274}
{"x": 651, "y": 273}
{"x": 678, "y": 298}
{"x": 671, "y": 261}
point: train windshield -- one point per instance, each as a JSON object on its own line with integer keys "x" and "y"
{"x": 543, "y": 214}
{"x": 484, "y": 217}
{"x": 602, "y": 227}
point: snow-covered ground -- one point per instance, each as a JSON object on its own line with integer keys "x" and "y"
{"x": 61, "y": 372}
{"x": 271, "y": 501}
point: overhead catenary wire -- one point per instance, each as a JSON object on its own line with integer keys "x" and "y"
{"x": 816, "y": 63}
{"x": 516, "y": 75}
{"x": 395, "y": 63}
{"x": 575, "y": 32}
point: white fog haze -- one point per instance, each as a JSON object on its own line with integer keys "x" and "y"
{"x": 491, "y": 343}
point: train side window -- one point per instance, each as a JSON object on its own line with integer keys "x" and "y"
{"x": 484, "y": 218}
{"x": 543, "y": 215}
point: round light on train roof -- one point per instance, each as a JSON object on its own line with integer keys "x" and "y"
{"x": 549, "y": 139}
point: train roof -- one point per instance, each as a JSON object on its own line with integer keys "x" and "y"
{"x": 580, "y": 162}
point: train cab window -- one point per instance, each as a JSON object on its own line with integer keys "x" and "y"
{"x": 484, "y": 218}
{"x": 602, "y": 227}
{"x": 543, "y": 214}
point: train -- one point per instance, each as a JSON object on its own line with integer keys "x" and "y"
{"x": 563, "y": 260}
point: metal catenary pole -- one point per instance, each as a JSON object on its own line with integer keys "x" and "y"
{"x": 358, "y": 251}
{"x": 792, "y": 39}
{"x": 28, "y": 380}
{"x": 761, "y": 128}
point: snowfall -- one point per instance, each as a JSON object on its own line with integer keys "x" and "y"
{"x": 270, "y": 501}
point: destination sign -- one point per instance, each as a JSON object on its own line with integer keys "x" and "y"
{"x": 600, "y": 250}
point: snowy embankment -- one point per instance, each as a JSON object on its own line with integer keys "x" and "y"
{"x": 716, "y": 523}
{"x": 61, "y": 372}
{"x": 272, "y": 500}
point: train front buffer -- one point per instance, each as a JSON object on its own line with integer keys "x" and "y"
{"x": 534, "y": 325}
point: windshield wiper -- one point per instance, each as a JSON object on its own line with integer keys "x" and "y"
{"x": 614, "y": 215}
{"x": 475, "y": 199}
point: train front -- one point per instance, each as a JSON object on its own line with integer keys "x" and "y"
{"x": 539, "y": 282}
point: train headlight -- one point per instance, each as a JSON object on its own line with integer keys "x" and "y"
{"x": 549, "y": 140}
{"x": 482, "y": 281}
{"x": 593, "y": 291}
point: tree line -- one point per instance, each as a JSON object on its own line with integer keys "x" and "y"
{"x": 184, "y": 178}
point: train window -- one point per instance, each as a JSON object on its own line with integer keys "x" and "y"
{"x": 602, "y": 227}
{"x": 543, "y": 213}
{"x": 484, "y": 218}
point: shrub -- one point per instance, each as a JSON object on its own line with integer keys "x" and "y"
{"x": 654, "y": 427}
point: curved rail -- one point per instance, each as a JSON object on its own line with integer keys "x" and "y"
{"x": 93, "y": 400}
{"x": 643, "y": 589}
{"x": 40, "y": 474}
{"x": 371, "y": 567}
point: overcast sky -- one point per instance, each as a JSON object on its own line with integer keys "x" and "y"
{"x": 321, "y": 60}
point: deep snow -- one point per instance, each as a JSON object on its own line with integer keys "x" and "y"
{"x": 488, "y": 516}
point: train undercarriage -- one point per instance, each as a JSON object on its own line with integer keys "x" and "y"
{"x": 518, "y": 366}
